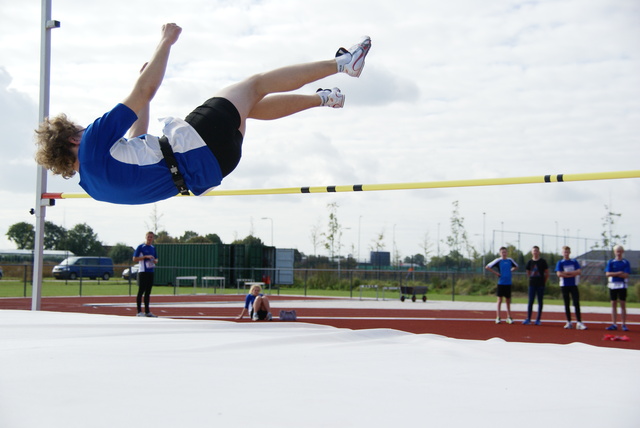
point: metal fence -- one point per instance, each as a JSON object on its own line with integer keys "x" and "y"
{"x": 308, "y": 281}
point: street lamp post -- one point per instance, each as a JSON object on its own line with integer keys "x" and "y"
{"x": 395, "y": 252}
{"x": 359, "y": 224}
{"x": 484, "y": 251}
{"x": 339, "y": 245}
{"x": 270, "y": 219}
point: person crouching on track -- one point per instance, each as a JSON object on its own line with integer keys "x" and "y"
{"x": 256, "y": 305}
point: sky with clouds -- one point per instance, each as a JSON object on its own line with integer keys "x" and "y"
{"x": 451, "y": 91}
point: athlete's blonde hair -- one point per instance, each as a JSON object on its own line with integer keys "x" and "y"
{"x": 54, "y": 146}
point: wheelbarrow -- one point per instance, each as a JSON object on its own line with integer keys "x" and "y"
{"x": 406, "y": 291}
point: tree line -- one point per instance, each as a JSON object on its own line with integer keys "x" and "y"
{"x": 81, "y": 240}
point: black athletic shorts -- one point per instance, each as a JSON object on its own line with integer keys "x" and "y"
{"x": 504, "y": 291}
{"x": 262, "y": 315}
{"x": 217, "y": 122}
{"x": 618, "y": 294}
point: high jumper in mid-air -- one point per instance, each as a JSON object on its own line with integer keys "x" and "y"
{"x": 193, "y": 154}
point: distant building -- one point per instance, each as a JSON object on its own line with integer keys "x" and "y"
{"x": 20, "y": 256}
{"x": 380, "y": 258}
{"x": 594, "y": 262}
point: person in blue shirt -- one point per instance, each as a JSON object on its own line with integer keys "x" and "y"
{"x": 505, "y": 266}
{"x": 256, "y": 305}
{"x": 618, "y": 270}
{"x": 147, "y": 259}
{"x": 568, "y": 270}
{"x": 194, "y": 154}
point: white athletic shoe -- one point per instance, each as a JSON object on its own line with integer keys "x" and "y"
{"x": 141, "y": 314}
{"x": 568, "y": 325}
{"x": 150, "y": 315}
{"x": 581, "y": 326}
{"x": 331, "y": 97}
{"x": 352, "y": 61}
{"x": 509, "y": 320}
{"x": 255, "y": 317}
{"x": 498, "y": 320}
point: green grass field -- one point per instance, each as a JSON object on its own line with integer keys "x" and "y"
{"x": 116, "y": 287}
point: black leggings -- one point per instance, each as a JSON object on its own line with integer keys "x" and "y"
{"x": 145, "y": 283}
{"x": 571, "y": 290}
{"x": 535, "y": 291}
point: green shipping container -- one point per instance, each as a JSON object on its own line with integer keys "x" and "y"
{"x": 190, "y": 260}
{"x": 230, "y": 261}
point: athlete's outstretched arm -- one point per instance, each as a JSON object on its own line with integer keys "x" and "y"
{"x": 151, "y": 77}
{"x": 141, "y": 126}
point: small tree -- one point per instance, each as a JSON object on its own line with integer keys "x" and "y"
{"x": 316, "y": 237}
{"x": 198, "y": 240}
{"x": 187, "y": 236}
{"x": 154, "y": 218}
{"x": 609, "y": 237}
{"x": 121, "y": 253}
{"x": 213, "y": 238}
{"x": 54, "y": 236}
{"x": 417, "y": 259}
{"x": 22, "y": 234}
{"x": 82, "y": 241}
{"x": 378, "y": 242}
{"x": 517, "y": 255}
{"x": 377, "y": 245}
{"x": 248, "y": 240}
{"x": 458, "y": 241}
{"x": 333, "y": 236}
{"x": 427, "y": 247}
{"x": 163, "y": 237}
{"x": 397, "y": 256}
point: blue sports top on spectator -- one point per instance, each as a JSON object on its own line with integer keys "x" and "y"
{"x": 618, "y": 266}
{"x": 146, "y": 265}
{"x": 504, "y": 269}
{"x": 570, "y": 265}
{"x": 248, "y": 301}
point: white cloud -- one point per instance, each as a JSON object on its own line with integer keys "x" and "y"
{"x": 452, "y": 90}
{"x": 19, "y": 114}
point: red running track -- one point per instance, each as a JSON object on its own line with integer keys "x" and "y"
{"x": 469, "y": 324}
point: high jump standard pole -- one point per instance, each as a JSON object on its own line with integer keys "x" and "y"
{"x": 40, "y": 209}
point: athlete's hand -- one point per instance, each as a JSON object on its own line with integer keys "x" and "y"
{"x": 171, "y": 32}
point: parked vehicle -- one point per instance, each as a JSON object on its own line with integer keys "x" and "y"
{"x": 131, "y": 272}
{"x": 91, "y": 267}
